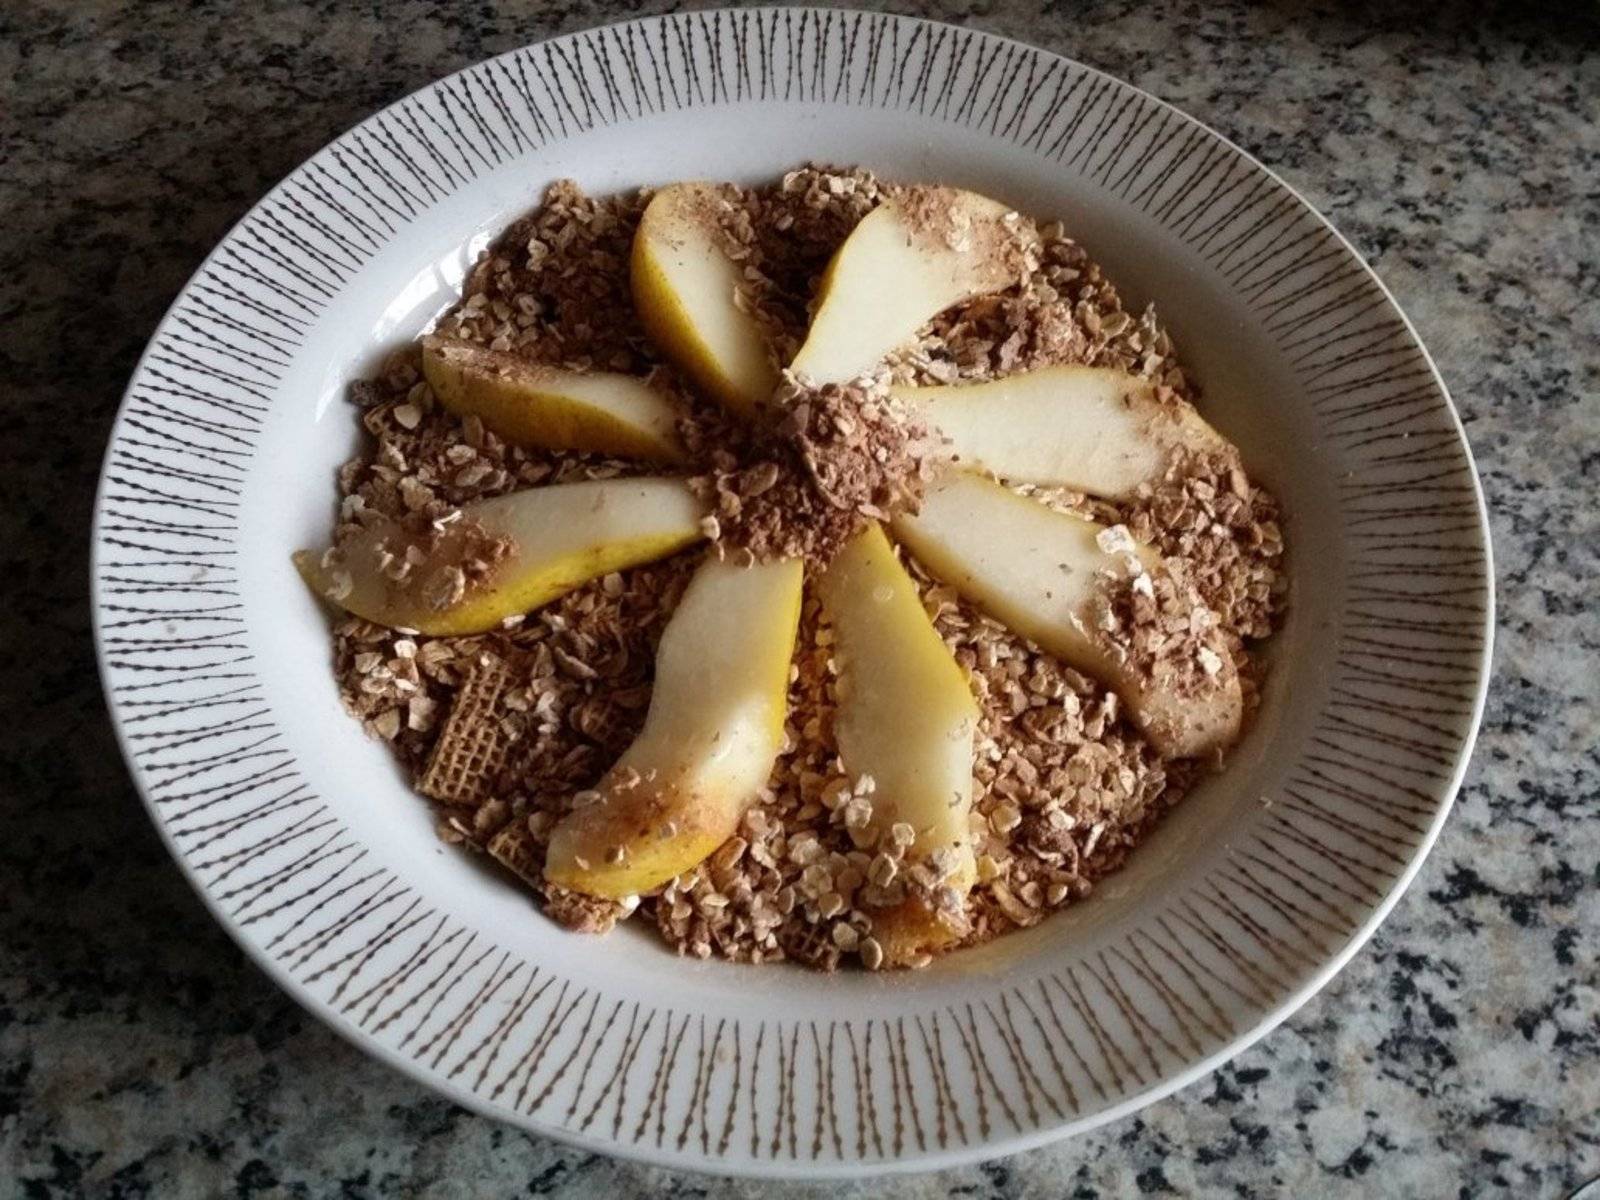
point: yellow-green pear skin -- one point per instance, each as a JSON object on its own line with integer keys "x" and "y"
{"x": 550, "y": 408}
{"x": 684, "y": 286}
{"x": 1042, "y": 573}
{"x": 560, "y": 537}
{"x": 710, "y": 738}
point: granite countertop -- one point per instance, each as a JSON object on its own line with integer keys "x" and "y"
{"x": 1459, "y": 1054}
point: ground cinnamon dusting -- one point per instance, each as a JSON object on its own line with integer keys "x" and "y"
{"x": 443, "y": 558}
{"x": 1064, "y": 786}
{"x": 934, "y": 216}
{"x": 783, "y": 236}
{"x": 811, "y": 471}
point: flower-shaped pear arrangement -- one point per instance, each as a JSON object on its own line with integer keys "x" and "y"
{"x": 942, "y": 474}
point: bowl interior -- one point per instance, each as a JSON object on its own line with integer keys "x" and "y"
{"x": 1249, "y": 395}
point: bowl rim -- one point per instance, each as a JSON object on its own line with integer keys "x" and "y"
{"x": 987, "y": 1148}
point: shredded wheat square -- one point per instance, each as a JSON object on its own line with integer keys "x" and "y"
{"x": 473, "y": 745}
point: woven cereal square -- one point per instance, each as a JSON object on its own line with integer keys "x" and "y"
{"x": 473, "y": 745}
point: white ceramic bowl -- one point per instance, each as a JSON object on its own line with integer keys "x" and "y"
{"x": 308, "y": 846}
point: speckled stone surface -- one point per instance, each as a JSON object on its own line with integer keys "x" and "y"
{"x": 1459, "y": 1054}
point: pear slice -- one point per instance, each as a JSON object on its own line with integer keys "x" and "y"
{"x": 530, "y": 404}
{"x": 683, "y": 290}
{"x": 712, "y": 734}
{"x": 907, "y": 718}
{"x": 559, "y": 537}
{"x": 905, "y": 262}
{"x": 1097, "y": 431}
{"x": 1044, "y": 575}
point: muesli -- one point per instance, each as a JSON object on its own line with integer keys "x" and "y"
{"x": 832, "y": 571}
